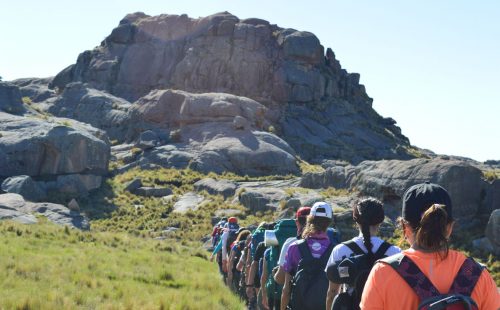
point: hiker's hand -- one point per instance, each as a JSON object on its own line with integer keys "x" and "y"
{"x": 250, "y": 291}
{"x": 275, "y": 269}
{"x": 212, "y": 258}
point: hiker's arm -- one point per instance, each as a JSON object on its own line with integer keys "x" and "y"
{"x": 279, "y": 276}
{"x": 250, "y": 280}
{"x": 217, "y": 248}
{"x": 263, "y": 280}
{"x": 224, "y": 245}
{"x": 229, "y": 268}
{"x": 251, "y": 274}
{"x": 333, "y": 290}
{"x": 285, "y": 294}
{"x": 242, "y": 260}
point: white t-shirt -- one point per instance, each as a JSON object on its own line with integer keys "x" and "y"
{"x": 284, "y": 249}
{"x": 342, "y": 251}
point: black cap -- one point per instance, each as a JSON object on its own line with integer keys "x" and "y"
{"x": 418, "y": 198}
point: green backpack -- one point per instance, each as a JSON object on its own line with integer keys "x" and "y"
{"x": 284, "y": 229}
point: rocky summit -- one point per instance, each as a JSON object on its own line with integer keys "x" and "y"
{"x": 304, "y": 95}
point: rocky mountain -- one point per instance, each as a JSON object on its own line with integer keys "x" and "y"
{"x": 319, "y": 108}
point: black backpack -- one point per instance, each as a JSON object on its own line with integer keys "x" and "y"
{"x": 309, "y": 284}
{"x": 232, "y": 236}
{"x": 459, "y": 294}
{"x": 354, "y": 272}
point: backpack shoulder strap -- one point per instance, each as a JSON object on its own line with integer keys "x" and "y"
{"x": 382, "y": 249}
{"x": 410, "y": 272}
{"x": 326, "y": 255}
{"x": 467, "y": 277}
{"x": 305, "y": 253}
{"x": 351, "y": 244}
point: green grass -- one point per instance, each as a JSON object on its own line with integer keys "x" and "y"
{"x": 43, "y": 266}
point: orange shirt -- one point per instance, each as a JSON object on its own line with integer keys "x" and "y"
{"x": 385, "y": 289}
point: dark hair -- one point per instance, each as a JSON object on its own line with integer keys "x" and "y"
{"x": 431, "y": 234}
{"x": 315, "y": 224}
{"x": 368, "y": 212}
{"x": 243, "y": 235}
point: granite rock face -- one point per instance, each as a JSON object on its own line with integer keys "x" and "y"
{"x": 35, "y": 147}
{"x": 11, "y": 99}
{"x": 202, "y": 125}
{"x": 319, "y": 108}
{"x": 389, "y": 179}
{"x": 94, "y": 107}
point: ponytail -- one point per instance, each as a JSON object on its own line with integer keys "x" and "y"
{"x": 431, "y": 234}
{"x": 367, "y": 241}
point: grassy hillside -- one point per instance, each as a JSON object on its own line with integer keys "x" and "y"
{"x": 48, "y": 267}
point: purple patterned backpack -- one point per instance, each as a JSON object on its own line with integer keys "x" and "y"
{"x": 459, "y": 296}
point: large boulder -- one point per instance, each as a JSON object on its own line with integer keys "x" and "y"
{"x": 10, "y": 99}
{"x": 389, "y": 179}
{"x": 224, "y": 188}
{"x": 262, "y": 199}
{"x": 36, "y": 89}
{"x": 37, "y": 147}
{"x": 320, "y": 109}
{"x": 59, "y": 154}
{"x": 202, "y": 125}
{"x": 95, "y": 107}
{"x": 14, "y": 207}
{"x": 493, "y": 231}
{"x": 25, "y": 186}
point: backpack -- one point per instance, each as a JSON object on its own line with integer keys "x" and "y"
{"x": 284, "y": 229}
{"x": 334, "y": 235}
{"x": 354, "y": 272}
{"x": 257, "y": 237}
{"x": 310, "y": 284}
{"x": 459, "y": 294}
{"x": 232, "y": 236}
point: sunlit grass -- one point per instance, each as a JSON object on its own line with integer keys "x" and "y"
{"x": 43, "y": 266}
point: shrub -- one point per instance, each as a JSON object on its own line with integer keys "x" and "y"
{"x": 27, "y": 100}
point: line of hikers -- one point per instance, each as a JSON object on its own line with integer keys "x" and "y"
{"x": 301, "y": 263}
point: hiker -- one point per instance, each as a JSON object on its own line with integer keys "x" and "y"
{"x": 228, "y": 237}
{"x": 368, "y": 214}
{"x": 217, "y": 231}
{"x": 300, "y": 221}
{"x": 305, "y": 261}
{"x": 233, "y": 275}
{"x": 274, "y": 239}
{"x": 427, "y": 223}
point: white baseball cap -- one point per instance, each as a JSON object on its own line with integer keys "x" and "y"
{"x": 321, "y": 209}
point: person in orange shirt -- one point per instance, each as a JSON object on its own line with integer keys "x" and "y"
{"x": 427, "y": 225}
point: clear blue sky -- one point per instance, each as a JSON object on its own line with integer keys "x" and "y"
{"x": 433, "y": 66}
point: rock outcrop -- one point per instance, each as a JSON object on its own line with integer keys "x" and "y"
{"x": 203, "y": 125}
{"x": 14, "y": 207}
{"x": 316, "y": 106}
{"x": 94, "y": 107}
{"x": 388, "y": 180}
